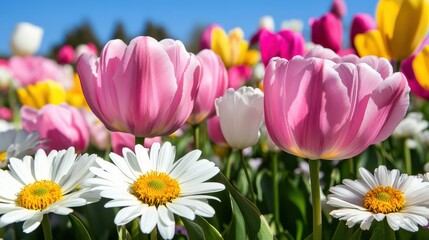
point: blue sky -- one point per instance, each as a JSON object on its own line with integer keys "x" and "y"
{"x": 178, "y": 17}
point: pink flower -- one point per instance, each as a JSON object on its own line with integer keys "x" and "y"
{"x": 61, "y": 125}
{"x": 284, "y": 44}
{"x": 361, "y": 23}
{"x": 206, "y": 37}
{"x": 147, "y": 88}
{"x": 214, "y": 82}
{"x": 338, "y": 8}
{"x": 318, "y": 109}
{"x": 327, "y": 31}
{"x": 98, "y": 133}
{"x": 238, "y": 76}
{"x": 215, "y": 131}
{"x": 66, "y": 54}
{"x": 6, "y": 113}
{"x": 121, "y": 140}
{"x": 32, "y": 69}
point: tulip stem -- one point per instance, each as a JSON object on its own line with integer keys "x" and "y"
{"x": 229, "y": 165}
{"x": 47, "y": 231}
{"x": 249, "y": 181}
{"x": 315, "y": 197}
{"x": 276, "y": 194}
{"x": 140, "y": 140}
{"x": 407, "y": 158}
{"x": 196, "y": 128}
{"x": 398, "y": 66}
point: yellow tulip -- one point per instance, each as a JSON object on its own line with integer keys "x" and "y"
{"x": 371, "y": 43}
{"x": 42, "y": 93}
{"x": 74, "y": 96}
{"x": 421, "y": 68}
{"x": 232, "y": 48}
{"x": 402, "y": 24}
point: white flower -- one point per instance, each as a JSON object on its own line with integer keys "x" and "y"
{"x": 241, "y": 114}
{"x": 295, "y": 25}
{"x": 400, "y": 198}
{"x": 410, "y": 126}
{"x": 267, "y": 23}
{"x": 26, "y": 39}
{"x": 45, "y": 184}
{"x": 17, "y": 144}
{"x": 150, "y": 185}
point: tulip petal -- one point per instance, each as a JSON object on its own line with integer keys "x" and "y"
{"x": 421, "y": 68}
{"x": 371, "y": 43}
{"x": 220, "y": 45}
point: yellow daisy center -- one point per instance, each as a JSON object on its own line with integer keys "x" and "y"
{"x": 39, "y": 195}
{"x": 384, "y": 200}
{"x": 2, "y": 156}
{"x": 155, "y": 188}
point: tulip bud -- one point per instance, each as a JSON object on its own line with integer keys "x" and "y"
{"x": 26, "y": 39}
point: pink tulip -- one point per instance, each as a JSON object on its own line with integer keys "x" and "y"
{"x": 61, "y": 125}
{"x": 121, "y": 140}
{"x": 361, "y": 23}
{"x": 147, "y": 88}
{"x": 66, "y": 54}
{"x": 238, "y": 76}
{"x": 206, "y": 37}
{"x": 338, "y": 8}
{"x": 98, "y": 133}
{"x": 284, "y": 44}
{"x": 214, "y": 82}
{"x": 6, "y": 113}
{"x": 215, "y": 131}
{"x": 318, "y": 109}
{"x": 327, "y": 31}
{"x": 32, "y": 69}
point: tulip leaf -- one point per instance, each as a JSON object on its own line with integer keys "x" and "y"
{"x": 200, "y": 229}
{"x": 81, "y": 231}
{"x": 123, "y": 233}
{"x": 256, "y": 225}
{"x": 237, "y": 228}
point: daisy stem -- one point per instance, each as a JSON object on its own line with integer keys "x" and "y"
{"x": 407, "y": 158}
{"x": 249, "y": 181}
{"x": 47, "y": 231}
{"x": 196, "y": 128}
{"x": 140, "y": 140}
{"x": 276, "y": 193}
{"x": 315, "y": 197}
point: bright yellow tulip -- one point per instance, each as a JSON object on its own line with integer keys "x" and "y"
{"x": 232, "y": 48}
{"x": 403, "y": 24}
{"x": 42, "y": 93}
{"x": 74, "y": 95}
{"x": 371, "y": 43}
{"x": 421, "y": 68}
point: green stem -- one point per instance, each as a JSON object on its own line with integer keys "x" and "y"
{"x": 196, "y": 128}
{"x": 315, "y": 197}
{"x": 351, "y": 163}
{"x": 154, "y": 234}
{"x": 397, "y": 66}
{"x": 140, "y": 140}
{"x": 47, "y": 232}
{"x": 135, "y": 229}
{"x": 249, "y": 181}
{"x": 407, "y": 158}
{"x": 229, "y": 165}
{"x": 12, "y": 98}
{"x": 276, "y": 194}
{"x": 108, "y": 150}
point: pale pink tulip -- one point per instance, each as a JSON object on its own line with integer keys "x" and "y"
{"x": 214, "y": 82}
{"x": 318, "y": 109}
{"x": 98, "y": 133}
{"x": 147, "y": 88}
{"x": 61, "y": 125}
{"x": 338, "y": 8}
{"x": 121, "y": 140}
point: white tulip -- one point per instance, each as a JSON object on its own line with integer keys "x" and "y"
{"x": 267, "y": 22}
{"x": 295, "y": 25}
{"x": 26, "y": 39}
{"x": 241, "y": 114}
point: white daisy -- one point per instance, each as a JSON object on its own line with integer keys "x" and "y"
{"x": 17, "y": 144}
{"x": 402, "y": 199}
{"x": 154, "y": 187}
{"x": 45, "y": 184}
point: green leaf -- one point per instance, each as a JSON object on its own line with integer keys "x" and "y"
{"x": 237, "y": 227}
{"x": 123, "y": 233}
{"x": 342, "y": 231}
{"x": 382, "y": 231}
{"x": 356, "y": 235}
{"x": 309, "y": 237}
{"x": 81, "y": 231}
{"x": 200, "y": 229}
{"x": 256, "y": 226}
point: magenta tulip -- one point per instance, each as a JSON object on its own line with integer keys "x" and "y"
{"x": 238, "y": 76}
{"x": 147, "y": 88}
{"x": 327, "y": 31}
{"x": 206, "y": 37}
{"x": 214, "y": 82}
{"x": 361, "y": 23}
{"x": 215, "y": 132}
{"x": 66, "y": 54}
{"x": 318, "y": 109}
{"x": 61, "y": 126}
{"x": 284, "y": 44}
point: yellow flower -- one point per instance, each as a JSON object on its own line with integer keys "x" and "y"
{"x": 42, "y": 93}
{"x": 421, "y": 68}
{"x": 74, "y": 96}
{"x": 232, "y": 48}
{"x": 402, "y": 24}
